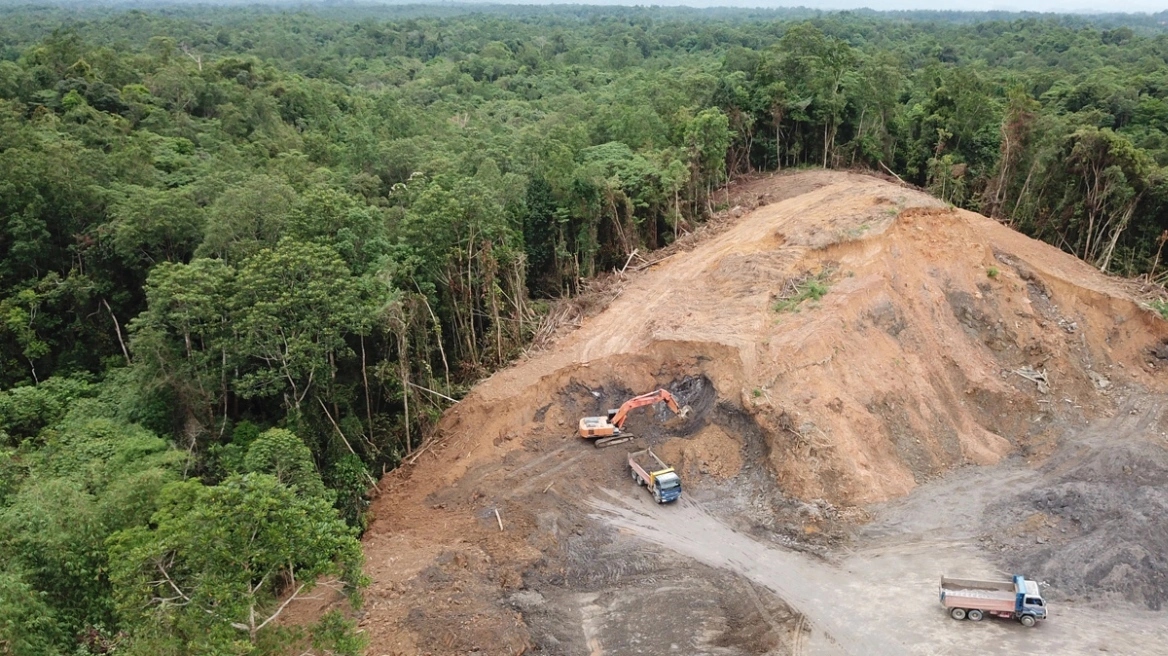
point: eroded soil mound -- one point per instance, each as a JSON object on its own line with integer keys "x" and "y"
{"x": 937, "y": 338}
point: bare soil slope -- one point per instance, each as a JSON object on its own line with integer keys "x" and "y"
{"x": 943, "y": 339}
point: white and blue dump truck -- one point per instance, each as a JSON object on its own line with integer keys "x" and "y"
{"x": 650, "y": 471}
{"x": 1017, "y": 599}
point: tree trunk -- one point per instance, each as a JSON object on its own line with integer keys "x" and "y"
{"x": 777, "y": 119}
{"x": 403, "y": 369}
{"x": 825, "y": 145}
{"x": 1117, "y": 231}
{"x": 437, "y": 334}
{"x": 118, "y": 330}
{"x": 368, "y": 397}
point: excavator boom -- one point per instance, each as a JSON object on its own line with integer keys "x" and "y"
{"x": 622, "y": 413}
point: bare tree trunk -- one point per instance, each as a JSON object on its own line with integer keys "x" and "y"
{"x": 617, "y": 221}
{"x": 118, "y": 330}
{"x": 368, "y": 397}
{"x": 749, "y": 147}
{"x": 223, "y": 388}
{"x": 676, "y": 212}
{"x": 1092, "y": 209}
{"x": 825, "y": 145}
{"x": 403, "y": 369}
{"x": 438, "y": 334}
{"x": 490, "y": 281}
{"x": 1117, "y": 231}
{"x": 777, "y": 117}
{"x": 518, "y": 294}
{"x": 469, "y": 303}
{"x": 859, "y": 133}
{"x": 1007, "y": 156}
{"x": 1025, "y": 188}
{"x": 1159, "y": 251}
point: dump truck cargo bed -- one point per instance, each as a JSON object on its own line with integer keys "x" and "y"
{"x": 962, "y": 596}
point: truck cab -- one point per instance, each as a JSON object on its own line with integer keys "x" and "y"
{"x": 1030, "y": 601}
{"x": 666, "y": 486}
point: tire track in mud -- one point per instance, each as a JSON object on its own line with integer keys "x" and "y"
{"x": 797, "y": 638}
{"x": 535, "y": 462}
{"x": 816, "y": 590}
{"x": 769, "y": 619}
{"x": 531, "y": 483}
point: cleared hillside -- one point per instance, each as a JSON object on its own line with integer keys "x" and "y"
{"x": 841, "y": 346}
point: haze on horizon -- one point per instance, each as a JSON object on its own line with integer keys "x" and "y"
{"x": 1051, "y": 6}
{"x": 1043, "y": 6}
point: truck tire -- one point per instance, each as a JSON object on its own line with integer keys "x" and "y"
{"x": 957, "y": 613}
{"x": 974, "y": 615}
{"x": 1028, "y": 621}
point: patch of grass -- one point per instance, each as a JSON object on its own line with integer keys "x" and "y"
{"x": 757, "y": 392}
{"x": 1161, "y": 307}
{"x": 805, "y": 288}
{"x": 853, "y": 233}
{"x": 992, "y": 272}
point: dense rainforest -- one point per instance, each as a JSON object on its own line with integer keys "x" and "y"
{"x": 248, "y": 255}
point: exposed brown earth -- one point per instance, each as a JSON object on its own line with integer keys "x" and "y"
{"x": 943, "y": 344}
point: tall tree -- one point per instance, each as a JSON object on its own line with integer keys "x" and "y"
{"x": 293, "y": 307}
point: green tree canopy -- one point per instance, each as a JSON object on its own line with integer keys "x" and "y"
{"x": 220, "y": 563}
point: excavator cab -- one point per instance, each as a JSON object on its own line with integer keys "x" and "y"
{"x": 598, "y": 427}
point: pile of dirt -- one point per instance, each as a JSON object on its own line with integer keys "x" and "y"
{"x": 837, "y": 347}
{"x": 1094, "y": 527}
{"x": 711, "y": 452}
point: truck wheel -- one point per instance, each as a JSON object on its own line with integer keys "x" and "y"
{"x": 1028, "y": 621}
{"x": 957, "y": 613}
{"x": 974, "y": 615}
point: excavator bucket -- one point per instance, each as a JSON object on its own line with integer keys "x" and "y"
{"x": 678, "y": 419}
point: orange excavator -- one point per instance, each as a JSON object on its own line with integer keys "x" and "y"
{"x": 608, "y": 429}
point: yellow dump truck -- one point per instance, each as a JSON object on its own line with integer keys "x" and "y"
{"x": 658, "y": 477}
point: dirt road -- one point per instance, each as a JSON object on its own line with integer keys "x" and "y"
{"x": 881, "y": 601}
{"x": 817, "y": 590}
{"x": 881, "y": 598}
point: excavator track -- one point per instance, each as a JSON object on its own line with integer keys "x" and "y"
{"x": 613, "y": 441}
